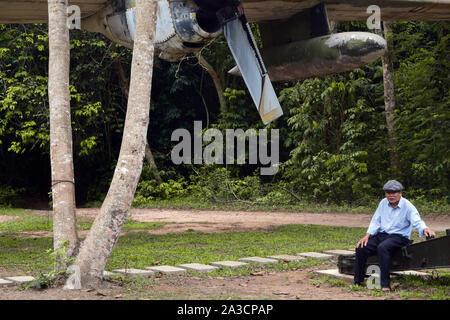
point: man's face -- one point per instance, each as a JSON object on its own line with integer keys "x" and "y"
{"x": 393, "y": 196}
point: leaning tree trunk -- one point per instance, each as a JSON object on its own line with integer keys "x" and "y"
{"x": 125, "y": 89}
{"x": 99, "y": 244}
{"x": 389, "y": 103}
{"x": 217, "y": 83}
{"x": 61, "y": 153}
{"x": 151, "y": 162}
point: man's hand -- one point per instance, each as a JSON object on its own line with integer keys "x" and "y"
{"x": 363, "y": 241}
{"x": 428, "y": 232}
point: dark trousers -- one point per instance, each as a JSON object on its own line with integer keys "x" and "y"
{"x": 382, "y": 245}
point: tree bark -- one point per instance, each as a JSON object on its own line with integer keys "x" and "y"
{"x": 99, "y": 244}
{"x": 389, "y": 102}
{"x": 122, "y": 78}
{"x": 61, "y": 153}
{"x": 125, "y": 89}
{"x": 152, "y": 163}
{"x": 217, "y": 83}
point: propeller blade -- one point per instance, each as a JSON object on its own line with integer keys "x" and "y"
{"x": 248, "y": 59}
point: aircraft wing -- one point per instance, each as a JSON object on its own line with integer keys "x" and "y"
{"x": 295, "y": 34}
{"x": 35, "y": 11}
{"x": 350, "y": 10}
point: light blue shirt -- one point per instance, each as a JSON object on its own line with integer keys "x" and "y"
{"x": 398, "y": 220}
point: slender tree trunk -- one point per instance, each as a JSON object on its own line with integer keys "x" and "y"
{"x": 122, "y": 78}
{"x": 99, "y": 244}
{"x": 125, "y": 89}
{"x": 61, "y": 153}
{"x": 217, "y": 83}
{"x": 389, "y": 102}
{"x": 152, "y": 163}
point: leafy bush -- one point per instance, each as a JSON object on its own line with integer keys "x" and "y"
{"x": 9, "y": 196}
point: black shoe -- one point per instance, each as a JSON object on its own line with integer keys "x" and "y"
{"x": 354, "y": 283}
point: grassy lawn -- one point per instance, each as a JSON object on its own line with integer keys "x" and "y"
{"x": 140, "y": 249}
{"x": 25, "y": 254}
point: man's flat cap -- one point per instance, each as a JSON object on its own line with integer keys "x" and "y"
{"x": 393, "y": 185}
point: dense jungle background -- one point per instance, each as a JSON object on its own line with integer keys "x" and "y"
{"x": 333, "y": 136}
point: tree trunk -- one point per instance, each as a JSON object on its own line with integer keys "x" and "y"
{"x": 99, "y": 244}
{"x": 151, "y": 162}
{"x": 122, "y": 77}
{"x": 217, "y": 83}
{"x": 389, "y": 103}
{"x": 61, "y": 153}
{"x": 125, "y": 89}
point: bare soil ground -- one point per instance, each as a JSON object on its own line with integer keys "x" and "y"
{"x": 292, "y": 284}
{"x": 225, "y": 221}
{"x": 283, "y": 285}
{"x": 7, "y": 218}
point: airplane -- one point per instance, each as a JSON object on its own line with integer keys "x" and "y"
{"x": 296, "y": 38}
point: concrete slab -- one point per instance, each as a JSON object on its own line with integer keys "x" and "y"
{"x": 167, "y": 270}
{"x": 135, "y": 272}
{"x": 6, "y": 283}
{"x": 108, "y": 274}
{"x": 334, "y": 273}
{"x": 228, "y": 264}
{"x": 258, "y": 260}
{"x": 287, "y": 257}
{"x": 411, "y": 272}
{"x": 337, "y": 274}
{"x": 338, "y": 252}
{"x": 198, "y": 267}
{"x": 315, "y": 255}
{"x": 20, "y": 279}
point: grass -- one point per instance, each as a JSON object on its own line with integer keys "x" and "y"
{"x": 139, "y": 249}
{"x": 29, "y": 222}
{"x": 434, "y": 287}
{"x": 424, "y": 207}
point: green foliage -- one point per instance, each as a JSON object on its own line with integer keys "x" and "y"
{"x": 423, "y": 100}
{"x": 333, "y": 136}
{"x": 330, "y": 137}
{"x": 9, "y": 196}
{"x": 150, "y": 190}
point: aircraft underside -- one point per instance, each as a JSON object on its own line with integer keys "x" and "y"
{"x": 296, "y": 38}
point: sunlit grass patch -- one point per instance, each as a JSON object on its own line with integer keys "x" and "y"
{"x": 25, "y": 221}
{"x": 140, "y": 249}
{"x": 435, "y": 286}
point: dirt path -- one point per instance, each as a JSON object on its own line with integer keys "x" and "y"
{"x": 282, "y": 285}
{"x": 221, "y": 221}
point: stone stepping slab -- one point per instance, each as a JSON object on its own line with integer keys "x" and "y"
{"x": 258, "y": 260}
{"x": 410, "y": 273}
{"x": 228, "y": 264}
{"x": 135, "y": 272}
{"x": 335, "y": 273}
{"x": 315, "y": 255}
{"x": 108, "y": 274}
{"x": 338, "y": 252}
{"x": 20, "y": 279}
{"x": 6, "y": 283}
{"x": 287, "y": 257}
{"x": 198, "y": 267}
{"x": 167, "y": 270}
